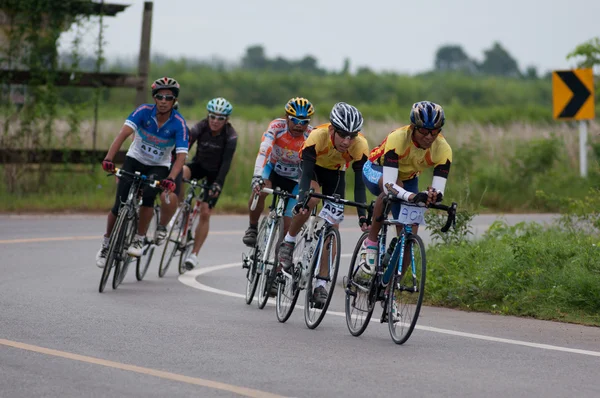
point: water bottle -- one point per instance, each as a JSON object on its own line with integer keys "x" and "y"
{"x": 388, "y": 272}
{"x": 390, "y": 250}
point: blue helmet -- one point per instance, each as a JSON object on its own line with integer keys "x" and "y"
{"x": 299, "y": 107}
{"x": 428, "y": 115}
{"x": 219, "y": 106}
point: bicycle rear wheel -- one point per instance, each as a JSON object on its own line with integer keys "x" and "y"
{"x": 329, "y": 253}
{"x": 114, "y": 247}
{"x": 360, "y": 293}
{"x": 269, "y": 269}
{"x": 288, "y": 284}
{"x": 406, "y": 292}
{"x": 173, "y": 242}
{"x": 130, "y": 229}
{"x": 252, "y": 275}
{"x": 187, "y": 243}
{"x": 144, "y": 261}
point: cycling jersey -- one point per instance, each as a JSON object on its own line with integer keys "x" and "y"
{"x": 214, "y": 152}
{"x": 151, "y": 145}
{"x": 282, "y": 150}
{"x": 398, "y": 150}
{"x": 323, "y": 163}
{"x": 330, "y": 158}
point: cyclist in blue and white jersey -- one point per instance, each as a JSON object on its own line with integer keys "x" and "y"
{"x": 158, "y": 129}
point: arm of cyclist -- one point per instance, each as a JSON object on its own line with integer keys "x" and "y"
{"x": 107, "y": 163}
{"x": 181, "y": 150}
{"x": 266, "y": 146}
{"x": 228, "y": 153}
{"x": 309, "y": 159}
{"x": 360, "y": 193}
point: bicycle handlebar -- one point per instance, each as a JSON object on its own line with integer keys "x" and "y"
{"x": 276, "y": 192}
{"x": 333, "y": 198}
{"x": 451, "y": 210}
{"x": 137, "y": 175}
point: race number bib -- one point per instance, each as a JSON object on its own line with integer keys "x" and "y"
{"x": 412, "y": 214}
{"x": 151, "y": 152}
{"x": 332, "y": 212}
{"x": 287, "y": 170}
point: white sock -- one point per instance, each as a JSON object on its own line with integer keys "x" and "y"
{"x": 139, "y": 237}
{"x": 289, "y": 238}
{"x": 106, "y": 241}
{"x": 321, "y": 282}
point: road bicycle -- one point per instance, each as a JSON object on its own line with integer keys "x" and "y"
{"x": 182, "y": 227}
{"x": 400, "y": 272}
{"x": 315, "y": 260}
{"x": 125, "y": 228}
{"x": 261, "y": 262}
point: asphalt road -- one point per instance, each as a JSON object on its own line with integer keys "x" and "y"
{"x": 194, "y": 335}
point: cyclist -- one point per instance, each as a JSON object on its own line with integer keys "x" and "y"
{"x": 395, "y": 165}
{"x": 216, "y": 142}
{"x": 278, "y": 160}
{"x": 158, "y": 129}
{"x": 326, "y": 154}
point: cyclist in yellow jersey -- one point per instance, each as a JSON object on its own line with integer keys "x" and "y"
{"x": 395, "y": 165}
{"x": 326, "y": 154}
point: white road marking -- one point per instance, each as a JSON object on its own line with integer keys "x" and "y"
{"x": 190, "y": 279}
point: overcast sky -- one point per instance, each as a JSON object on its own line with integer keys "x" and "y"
{"x": 396, "y": 35}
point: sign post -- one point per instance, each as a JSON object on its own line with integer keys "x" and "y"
{"x": 573, "y": 99}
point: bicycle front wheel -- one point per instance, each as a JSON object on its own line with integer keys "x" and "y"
{"x": 360, "y": 293}
{"x": 130, "y": 229}
{"x": 144, "y": 261}
{"x": 173, "y": 242}
{"x": 253, "y": 275}
{"x": 406, "y": 292}
{"x": 269, "y": 268}
{"x": 114, "y": 248}
{"x": 322, "y": 274}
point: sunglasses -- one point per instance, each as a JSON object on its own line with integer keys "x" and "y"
{"x": 346, "y": 135}
{"x": 425, "y": 132}
{"x": 167, "y": 97}
{"x": 220, "y": 118}
{"x": 301, "y": 122}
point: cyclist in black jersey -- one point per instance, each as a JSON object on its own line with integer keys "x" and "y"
{"x": 216, "y": 141}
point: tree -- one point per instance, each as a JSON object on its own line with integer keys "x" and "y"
{"x": 453, "y": 58}
{"x": 531, "y": 73}
{"x": 499, "y": 62}
{"x": 590, "y": 51}
{"x": 255, "y": 58}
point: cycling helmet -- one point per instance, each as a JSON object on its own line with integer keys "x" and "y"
{"x": 428, "y": 115}
{"x": 345, "y": 117}
{"x": 219, "y": 106}
{"x": 299, "y": 107}
{"x": 165, "y": 83}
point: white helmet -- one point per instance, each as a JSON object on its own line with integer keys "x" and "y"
{"x": 345, "y": 117}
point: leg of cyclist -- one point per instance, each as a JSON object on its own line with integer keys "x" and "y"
{"x": 249, "y": 238}
{"x": 208, "y": 203}
{"x": 167, "y": 210}
{"x": 286, "y": 249}
{"x": 333, "y": 182}
{"x": 123, "y": 186}
{"x": 147, "y": 209}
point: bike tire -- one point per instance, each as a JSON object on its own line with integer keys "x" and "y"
{"x": 112, "y": 250}
{"x": 252, "y": 275}
{"x": 363, "y": 293}
{"x": 144, "y": 261}
{"x": 129, "y": 230}
{"x": 288, "y": 288}
{"x": 407, "y": 301}
{"x": 267, "y": 277}
{"x": 172, "y": 243}
{"x": 313, "y": 315}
